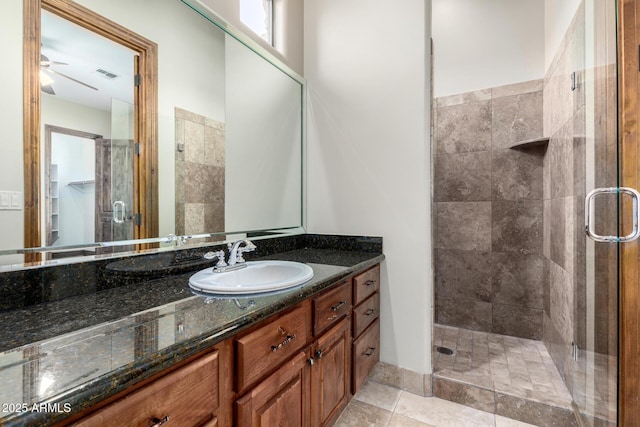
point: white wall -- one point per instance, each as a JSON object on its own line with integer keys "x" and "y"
{"x": 485, "y": 43}
{"x": 558, "y": 14}
{"x": 58, "y": 112}
{"x": 367, "y": 70}
{"x": 11, "y": 171}
{"x": 76, "y": 161}
{"x": 289, "y": 40}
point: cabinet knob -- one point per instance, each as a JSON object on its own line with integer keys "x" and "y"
{"x": 319, "y": 354}
{"x": 286, "y": 341}
{"x": 310, "y": 361}
{"x": 159, "y": 421}
{"x": 338, "y": 305}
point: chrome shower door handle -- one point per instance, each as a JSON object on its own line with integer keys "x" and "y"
{"x": 119, "y": 212}
{"x": 588, "y": 214}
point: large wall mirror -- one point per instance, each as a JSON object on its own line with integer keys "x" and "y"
{"x": 140, "y": 123}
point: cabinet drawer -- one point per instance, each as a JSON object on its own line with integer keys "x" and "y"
{"x": 331, "y": 306}
{"x": 365, "y": 314}
{"x": 263, "y": 349}
{"x": 366, "y": 353}
{"x": 366, "y": 284}
{"x": 187, "y": 396}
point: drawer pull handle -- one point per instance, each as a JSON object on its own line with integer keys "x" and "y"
{"x": 370, "y": 351}
{"x": 370, "y": 312}
{"x": 286, "y": 341}
{"x": 338, "y": 305}
{"x": 159, "y": 421}
{"x": 370, "y": 283}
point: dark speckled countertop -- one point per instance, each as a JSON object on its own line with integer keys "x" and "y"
{"x": 71, "y": 353}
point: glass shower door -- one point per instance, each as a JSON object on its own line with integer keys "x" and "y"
{"x": 122, "y": 170}
{"x": 594, "y": 379}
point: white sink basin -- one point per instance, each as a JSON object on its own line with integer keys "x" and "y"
{"x": 258, "y": 276}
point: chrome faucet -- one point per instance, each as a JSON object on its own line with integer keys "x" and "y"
{"x": 236, "y": 251}
{"x": 236, "y": 260}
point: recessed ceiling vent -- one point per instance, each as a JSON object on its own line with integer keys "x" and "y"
{"x": 107, "y": 74}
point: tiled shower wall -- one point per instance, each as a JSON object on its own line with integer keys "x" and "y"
{"x": 489, "y": 210}
{"x": 511, "y": 251}
{"x": 200, "y": 173}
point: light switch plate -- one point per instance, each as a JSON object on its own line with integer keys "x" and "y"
{"x": 11, "y": 200}
{"x": 16, "y": 200}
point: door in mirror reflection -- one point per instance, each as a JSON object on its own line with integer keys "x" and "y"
{"x": 88, "y": 113}
{"x": 71, "y": 186}
{"x": 121, "y": 174}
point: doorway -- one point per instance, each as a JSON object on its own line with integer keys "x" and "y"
{"x": 144, "y": 120}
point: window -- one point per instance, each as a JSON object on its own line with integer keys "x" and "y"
{"x": 258, "y": 16}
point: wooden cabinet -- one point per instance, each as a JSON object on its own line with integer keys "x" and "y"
{"x": 188, "y": 396}
{"x": 312, "y": 387}
{"x": 366, "y": 325}
{"x": 280, "y": 400}
{"x": 315, "y": 384}
{"x": 330, "y": 379}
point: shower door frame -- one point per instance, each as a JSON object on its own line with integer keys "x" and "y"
{"x": 629, "y": 149}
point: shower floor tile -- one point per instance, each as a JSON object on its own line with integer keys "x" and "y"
{"x": 505, "y": 365}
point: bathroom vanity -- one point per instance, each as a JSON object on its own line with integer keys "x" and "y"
{"x": 296, "y": 356}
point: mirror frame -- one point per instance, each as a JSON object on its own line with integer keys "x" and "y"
{"x": 146, "y": 122}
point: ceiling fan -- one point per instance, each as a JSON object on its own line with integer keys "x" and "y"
{"x": 46, "y": 81}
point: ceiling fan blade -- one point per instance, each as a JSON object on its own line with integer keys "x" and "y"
{"x": 71, "y": 78}
{"x": 47, "y": 63}
{"x": 47, "y": 89}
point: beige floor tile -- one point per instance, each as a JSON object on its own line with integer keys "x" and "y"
{"x": 360, "y": 414}
{"x": 402, "y": 421}
{"x": 508, "y": 422}
{"x": 441, "y": 413}
{"x": 379, "y": 395}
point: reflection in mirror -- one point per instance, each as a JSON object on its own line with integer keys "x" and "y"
{"x": 107, "y": 67}
{"x": 264, "y": 150}
{"x": 211, "y": 89}
{"x": 88, "y": 116}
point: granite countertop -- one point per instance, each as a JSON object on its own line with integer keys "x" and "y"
{"x": 61, "y": 357}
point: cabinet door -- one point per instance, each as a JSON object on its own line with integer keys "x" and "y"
{"x": 280, "y": 400}
{"x": 331, "y": 374}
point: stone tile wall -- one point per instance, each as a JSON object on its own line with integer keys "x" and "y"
{"x": 511, "y": 252}
{"x": 489, "y": 210}
{"x": 200, "y": 173}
